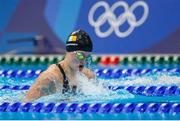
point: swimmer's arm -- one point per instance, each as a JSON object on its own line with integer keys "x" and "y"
{"x": 44, "y": 85}
{"x": 47, "y": 89}
{"x": 90, "y": 74}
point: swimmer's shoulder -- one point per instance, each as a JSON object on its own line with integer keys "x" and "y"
{"x": 89, "y": 73}
{"x": 54, "y": 71}
{"x": 50, "y": 74}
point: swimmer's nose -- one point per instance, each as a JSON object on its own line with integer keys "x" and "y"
{"x": 81, "y": 62}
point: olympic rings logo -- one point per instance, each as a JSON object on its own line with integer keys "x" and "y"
{"x": 116, "y": 22}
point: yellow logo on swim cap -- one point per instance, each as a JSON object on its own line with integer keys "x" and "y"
{"x": 73, "y": 38}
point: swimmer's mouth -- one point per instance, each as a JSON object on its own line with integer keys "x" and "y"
{"x": 81, "y": 66}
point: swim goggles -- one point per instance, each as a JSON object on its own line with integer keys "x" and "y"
{"x": 81, "y": 56}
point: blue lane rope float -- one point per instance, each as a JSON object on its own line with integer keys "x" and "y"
{"x": 20, "y": 73}
{"x": 16, "y": 87}
{"x": 105, "y": 73}
{"x": 140, "y": 90}
{"x": 103, "y": 108}
{"x": 117, "y": 73}
{"x": 149, "y": 90}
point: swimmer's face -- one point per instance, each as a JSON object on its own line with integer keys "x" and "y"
{"x": 77, "y": 59}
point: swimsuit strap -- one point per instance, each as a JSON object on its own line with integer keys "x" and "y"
{"x": 65, "y": 81}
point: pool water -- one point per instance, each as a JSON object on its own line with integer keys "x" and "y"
{"x": 97, "y": 91}
{"x": 111, "y": 86}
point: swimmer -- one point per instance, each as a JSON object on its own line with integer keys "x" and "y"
{"x": 61, "y": 76}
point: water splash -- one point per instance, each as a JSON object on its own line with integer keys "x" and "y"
{"x": 88, "y": 91}
{"x": 12, "y": 96}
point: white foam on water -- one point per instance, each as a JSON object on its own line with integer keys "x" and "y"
{"x": 12, "y": 96}
{"x": 88, "y": 86}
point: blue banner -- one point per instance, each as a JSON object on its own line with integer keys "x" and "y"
{"x": 115, "y": 26}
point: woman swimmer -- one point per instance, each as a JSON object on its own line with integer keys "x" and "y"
{"x": 61, "y": 76}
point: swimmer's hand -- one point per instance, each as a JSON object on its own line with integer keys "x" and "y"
{"x": 90, "y": 74}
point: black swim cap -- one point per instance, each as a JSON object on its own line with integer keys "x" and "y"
{"x": 79, "y": 40}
